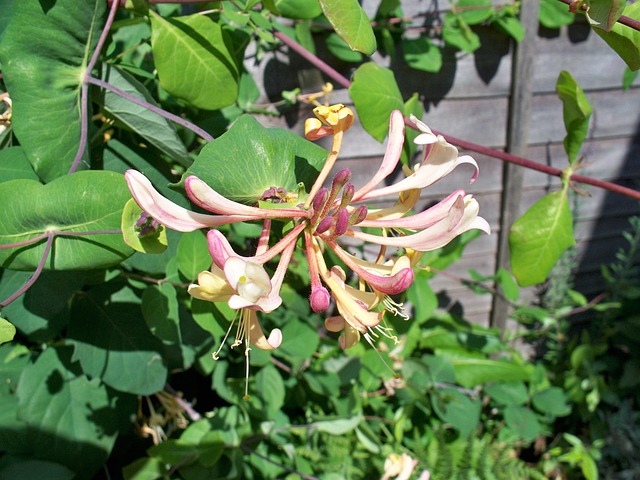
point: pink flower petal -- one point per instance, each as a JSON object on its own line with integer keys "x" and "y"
{"x": 168, "y": 213}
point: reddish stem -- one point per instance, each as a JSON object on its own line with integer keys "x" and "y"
{"x": 628, "y": 21}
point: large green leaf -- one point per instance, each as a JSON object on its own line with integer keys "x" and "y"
{"x": 422, "y": 54}
{"x": 555, "y": 14}
{"x": 70, "y": 419}
{"x": 44, "y": 75}
{"x": 154, "y": 128}
{"x": 14, "y": 164}
{"x": 193, "y": 60}
{"x": 82, "y": 202}
{"x": 113, "y": 343}
{"x": 249, "y": 159}
{"x": 576, "y": 112}
{"x": 352, "y": 24}
{"x": 625, "y": 40}
{"x": 375, "y": 94}
{"x": 474, "y": 11}
{"x": 603, "y": 14}
{"x": 456, "y": 409}
{"x": 538, "y": 238}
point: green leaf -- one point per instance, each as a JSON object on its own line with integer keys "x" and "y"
{"x": 193, "y": 255}
{"x": 14, "y": 165}
{"x": 82, "y": 202}
{"x": 538, "y": 238}
{"x": 476, "y": 371}
{"x": 422, "y": 297}
{"x": 338, "y": 426}
{"x": 299, "y": 341}
{"x": 46, "y": 106}
{"x": 509, "y": 287}
{"x": 352, "y": 24}
{"x": 508, "y": 393}
{"x": 603, "y": 14}
{"x": 523, "y": 422}
{"x": 145, "y": 468}
{"x": 249, "y": 159}
{"x": 457, "y": 409}
{"x": 338, "y": 47}
{"x": 511, "y": 26}
{"x": 375, "y": 94}
{"x": 552, "y": 401}
{"x": 153, "y": 242}
{"x": 628, "y": 78}
{"x": 576, "y": 112}
{"x": 625, "y": 40}
{"x": 458, "y": 34}
{"x": 154, "y": 128}
{"x": 193, "y": 60}
{"x": 422, "y": 54}
{"x": 474, "y": 11}
{"x": 7, "y": 331}
{"x": 270, "y": 387}
{"x": 160, "y": 312}
{"x": 555, "y": 14}
{"x": 113, "y": 343}
{"x": 36, "y": 470}
{"x": 71, "y": 419}
{"x": 296, "y": 9}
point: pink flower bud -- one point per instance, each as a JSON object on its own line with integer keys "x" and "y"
{"x": 340, "y": 179}
{"x": 347, "y": 195}
{"x": 342, "y": 223}
{"x": 358, "y": 215}
{"x": 324, "y": 225}
{"x": 319, "y": 299}
{"x": 319, "y": 199}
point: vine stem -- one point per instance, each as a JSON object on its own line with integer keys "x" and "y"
{"x": 500, "y": 155}
{"x": 151, "y": 107}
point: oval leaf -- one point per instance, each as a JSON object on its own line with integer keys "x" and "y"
{"x": 352, "y": 24}
{"x": 625, "y": 40}
{"x": 193, "y": 60}
{"x": 249, "y": 159}
{"x": 375, "y": 94}
{"x": 46, "y": 106}
{"x": 83, "y": 202}
{"x": 576, "y": 112}
{"x": 538, "y": 238}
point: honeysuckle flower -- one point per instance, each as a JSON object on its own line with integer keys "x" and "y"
{"x": 400, "y": 467}
{"x": 329, "y": 213}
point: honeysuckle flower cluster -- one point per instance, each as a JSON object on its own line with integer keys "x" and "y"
{"x": 322, "y": 218}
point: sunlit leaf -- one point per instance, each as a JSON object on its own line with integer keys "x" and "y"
{"x": 7, "y": 331}
{"x": 625, "y": 40}
{"x": 350, "y": 21}
{"x": 193, "y": 60}
{"x": 538, "y": 238}
{"x": 576, "y": 112}
{"x": 555, "y": 14}
{"x": 375, "y": 94}
{"x": 249, "y": 159}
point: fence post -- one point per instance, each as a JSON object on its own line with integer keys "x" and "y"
{"x": 517, "y": 137}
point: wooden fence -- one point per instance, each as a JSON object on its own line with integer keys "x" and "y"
{"x": 470, "y": 99}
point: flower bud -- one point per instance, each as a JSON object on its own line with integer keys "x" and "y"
{"x": 347, "y": 195}
{"x": 358, "y": 215}
{"x": 342, "y": 222}
{"x": 319, "y": 299}
{"x": 324, "y": 225}
{"x": 319, "y": 199}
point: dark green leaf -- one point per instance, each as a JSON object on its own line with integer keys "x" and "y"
{"x": 476, "y": 371}
{"x": 83, "y": 202}
{"x": 160, "y": 312}
{"x": 270, "y": 387}
{"x": 193, "y": 255}
{"x": 523, "y": 422}
{"x": 508, "y": 393}
{"x": 552, "y": 401}
{"x": 375, "y": 94}
{"x": 71, "y": 418}
{"x": 46, "y": 106}
{"x": 113, "y": 343}
{"x": 352, "y": 24}
{"x": 603, "y": 14}
{"x": 192, "y": 56}
{"x": 154, "y": 128}
{"x": 273, "y": 156}
{"x": 36, "y": 470}
{"x": 538, "y": 238}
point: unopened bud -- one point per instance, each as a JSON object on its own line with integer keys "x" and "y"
{"x": 319, "y": 199}
{"x": 324, "y": 225}
{"x": 358, "y": 215}
{"x": 342, "y": 222}
{"x": 340, "y": 179}
{"x": 319, "y": 299}
{"x": 347, "y": 195}
{"x": 146, "y": 225}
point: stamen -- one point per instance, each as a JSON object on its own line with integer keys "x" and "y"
{"x": 226, "y": 335}
{"x": 394, "y": 307}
